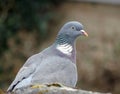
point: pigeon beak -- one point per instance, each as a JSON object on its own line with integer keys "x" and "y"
{"x": 84, "y": 33}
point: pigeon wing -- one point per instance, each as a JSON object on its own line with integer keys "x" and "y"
{"x": 26, "y": 71}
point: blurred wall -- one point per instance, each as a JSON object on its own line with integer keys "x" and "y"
{"x": 103, "y": 1}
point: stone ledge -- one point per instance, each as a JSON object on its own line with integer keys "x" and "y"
{"x": 52, "y": 89}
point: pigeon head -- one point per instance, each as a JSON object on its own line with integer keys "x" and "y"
{"x": 69, "y": 32}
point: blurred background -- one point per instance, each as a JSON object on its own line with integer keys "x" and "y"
{"x": 29, "y": 26}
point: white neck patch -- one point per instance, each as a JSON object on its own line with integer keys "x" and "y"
{"x": 65, "y": 48}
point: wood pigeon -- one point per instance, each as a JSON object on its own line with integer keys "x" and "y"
{"x": 55, "y": 64}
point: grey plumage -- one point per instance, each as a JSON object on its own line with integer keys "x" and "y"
{"x": 56, "y": 63}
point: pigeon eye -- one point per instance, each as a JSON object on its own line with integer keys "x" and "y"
{"x": 73, "y": 27}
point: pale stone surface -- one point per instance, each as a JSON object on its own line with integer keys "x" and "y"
{"x": 52, "y": 89}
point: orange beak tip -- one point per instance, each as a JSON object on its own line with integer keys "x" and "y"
{"x": 86, "y": 34}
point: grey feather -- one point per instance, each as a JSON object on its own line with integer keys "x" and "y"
{"x": 57, "y": 69}
{"x": 27, "y": 69}
{"x": 57, "y": 63}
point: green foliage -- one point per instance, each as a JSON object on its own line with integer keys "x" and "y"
{"x": 24, "y": 14}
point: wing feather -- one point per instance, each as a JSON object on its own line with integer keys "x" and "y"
{"x": 26, "y": 71}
